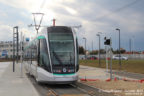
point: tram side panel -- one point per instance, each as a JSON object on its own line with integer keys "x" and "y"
{"x": 30, "y": 58}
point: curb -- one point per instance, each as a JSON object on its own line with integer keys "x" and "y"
{"x": 115, "y": 79}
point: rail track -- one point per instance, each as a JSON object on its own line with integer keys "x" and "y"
{"x": 77, "y": 89}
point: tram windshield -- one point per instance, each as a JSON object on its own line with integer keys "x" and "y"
{"x": 61, "y": 48}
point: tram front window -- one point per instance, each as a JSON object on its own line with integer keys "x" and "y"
{"x": 61, "y": 48}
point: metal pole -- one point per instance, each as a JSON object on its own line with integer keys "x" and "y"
{"x": 110, "y": 60}
{"x": 85, "y": 46}
{"x": 119, "y": 50}
{"x": 92, "y": 47}
{"x": 17, "y": 43}
{"x": 133, "y": 52}
{"x": 106, "y": 59}
{"x": 13, "y": 49}
{"x": 21, "y": 67}
{"x": 31, "y": 56}
{"x": 99, "y": 50}
{"x": 130, "y": 47}
{"x": 130, "y": 44}
{"x": 37, "y": 31}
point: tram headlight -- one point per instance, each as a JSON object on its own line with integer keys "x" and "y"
{"x": 57, "y": 71}
{"x": 71, "y": 70}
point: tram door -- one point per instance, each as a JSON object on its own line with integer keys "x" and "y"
{"x": 43, "y": 57}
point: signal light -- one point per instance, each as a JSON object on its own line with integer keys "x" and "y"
{"x": 107, "y": 42}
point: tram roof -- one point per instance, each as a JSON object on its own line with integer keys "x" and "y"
{"x": 61, "y": 29}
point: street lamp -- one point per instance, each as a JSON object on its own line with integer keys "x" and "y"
{"x": 133, "y": 37}
{"x": 85, "y": 46}
{"x": 119, "y": 48}
{"x": 99, "y": 49}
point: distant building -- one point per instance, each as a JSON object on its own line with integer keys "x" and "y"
{"x": 6, "y": 49}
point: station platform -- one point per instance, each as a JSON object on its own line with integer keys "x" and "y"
{"x": 12, "y": 83}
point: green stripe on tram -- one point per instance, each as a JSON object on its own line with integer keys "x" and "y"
{"x": 40, "y": 37}
{"x": 30, "y": 43}
{"x": 63, "y": 74}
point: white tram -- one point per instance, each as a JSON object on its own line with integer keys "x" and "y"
{"x": 52, "y": 57}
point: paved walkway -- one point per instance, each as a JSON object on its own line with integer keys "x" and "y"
{"x": 93, "y": 73}
{"x": 97, "y": 73}
{"x": 11, "y": 83}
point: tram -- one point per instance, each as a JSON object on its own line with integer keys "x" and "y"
{"x": 52, "y": 57}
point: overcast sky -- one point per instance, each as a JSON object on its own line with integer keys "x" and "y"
{"x": 94, "y": 16}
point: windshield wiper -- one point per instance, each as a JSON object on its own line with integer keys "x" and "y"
{"x": 70, "y": 58}
{"x": 56, "y": 56}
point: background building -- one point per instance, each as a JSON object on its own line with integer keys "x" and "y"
{"x": 6, "y": 49}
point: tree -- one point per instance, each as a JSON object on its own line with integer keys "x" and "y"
{"x": 102, "y": 51}
{"x": 81, "y": 50}
{"x": 122, "y": 50}
{"x": 94, "y": 52}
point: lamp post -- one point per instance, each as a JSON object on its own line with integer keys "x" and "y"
{"x": 130, "y": 45}
{"x": 119, "y": 48}
{"x": 99, "y": 49}
{"x": 85, "y": 46}
{"x": 133, "y": 51}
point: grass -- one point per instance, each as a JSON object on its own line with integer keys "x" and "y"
{"x": 136, "y": 66}
{"x": 5, "y": 60}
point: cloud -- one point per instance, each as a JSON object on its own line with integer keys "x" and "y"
{"x": 94, "y": 16}
{"x": 3, "y": 14}
{"x": 26, "y": 4}
{"x": 30, "y": 33}
{"x": 130, "y": 23}
{"x": 6, "y": 33}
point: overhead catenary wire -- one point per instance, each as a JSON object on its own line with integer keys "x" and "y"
{"x": 119, "y": 9}
{"x": 42, "y": 5}
{"x": 126, "y": 6}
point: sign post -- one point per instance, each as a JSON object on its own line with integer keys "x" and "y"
{"x": 111, "y": 59}
{"x": 108, "y": 43}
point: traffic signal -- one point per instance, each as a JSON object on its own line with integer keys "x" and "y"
{"x": 107, "y": 42}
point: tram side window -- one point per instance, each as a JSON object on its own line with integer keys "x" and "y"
{"x": 34, "y": 51}
{"x": 44, "y": 58}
